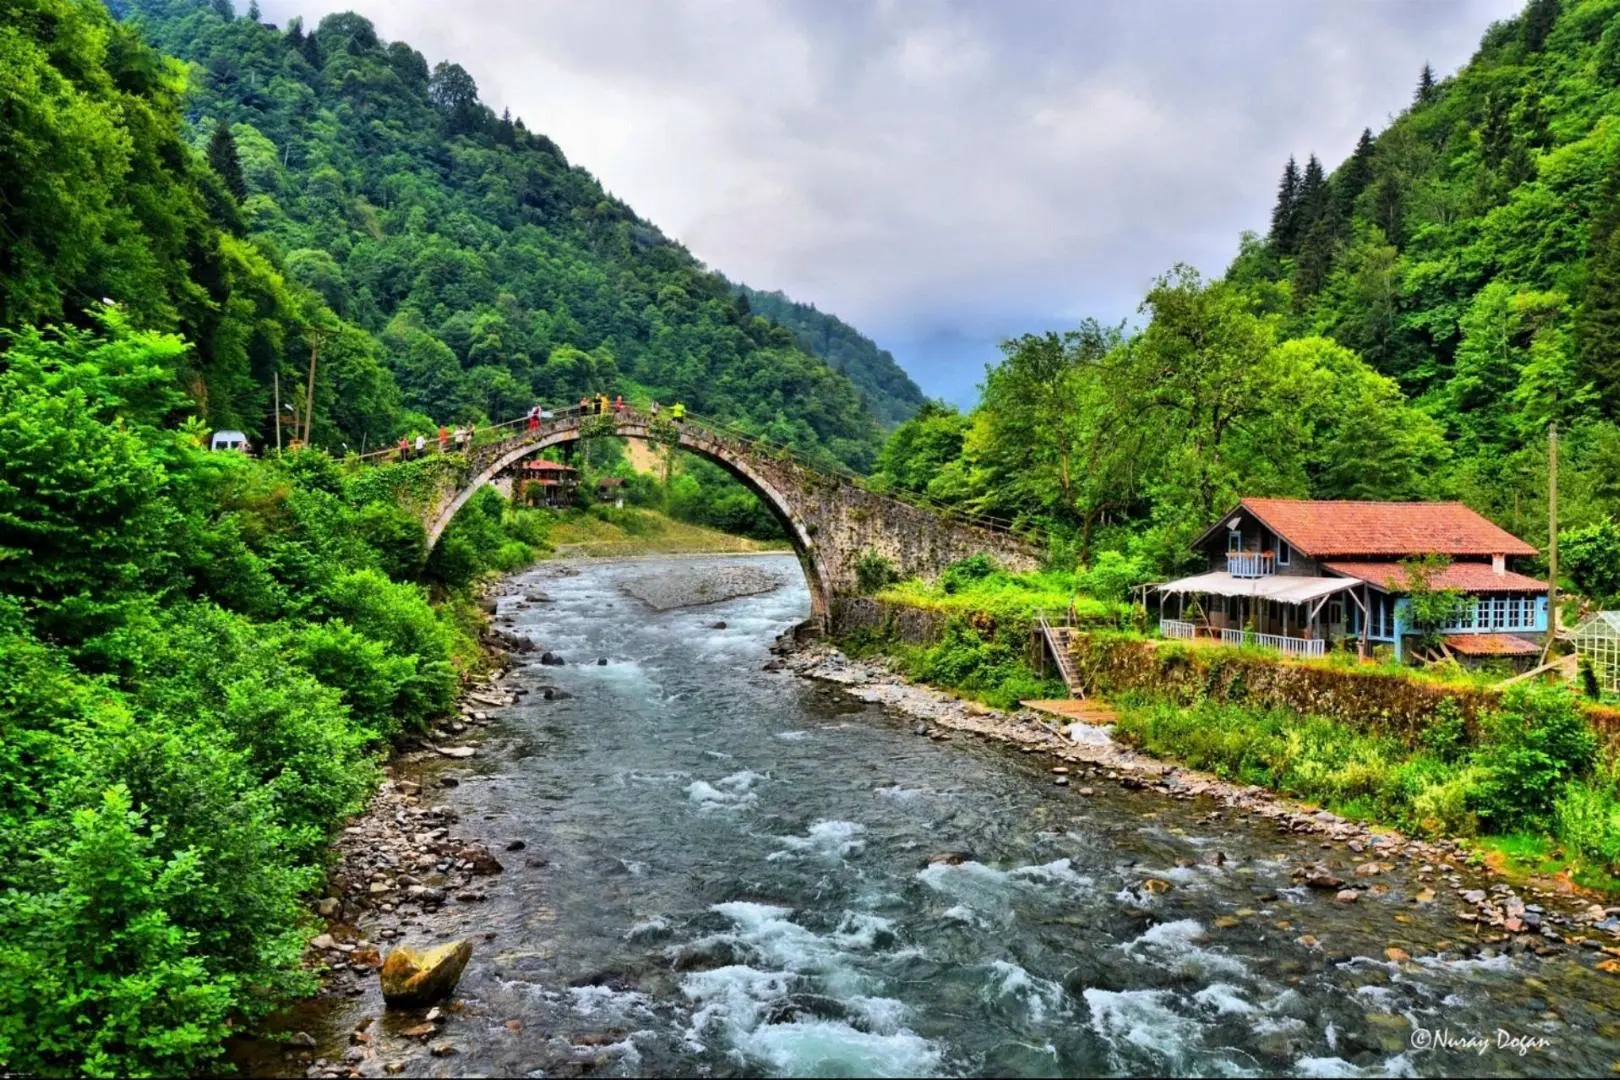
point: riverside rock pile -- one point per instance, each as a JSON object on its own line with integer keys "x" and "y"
{"x": 401, "y": 870}
{"x": 1501, "y": 919}
{"x": 688, "y": 586}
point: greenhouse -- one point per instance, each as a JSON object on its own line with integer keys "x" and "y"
{"x": 1597, "y": 640}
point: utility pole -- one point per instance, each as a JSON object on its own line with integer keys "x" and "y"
{"x": 276, "y": 381}
{"x": 315, "y": 333}
{"x": 1552, "y": 541}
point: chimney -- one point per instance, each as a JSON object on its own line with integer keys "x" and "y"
{"x": 1498, "y": 564}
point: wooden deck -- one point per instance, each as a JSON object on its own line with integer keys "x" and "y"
{"x": 1072, "y": 710}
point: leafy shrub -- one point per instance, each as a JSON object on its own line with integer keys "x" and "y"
{"x": 1535, "y": 743}
{"x": 874, "y": 572}
{"x": 95, "y": 976}
{"x": 1588, "y": 821}
{"x": 965, "y": 572}
{"x": 1113, "y": 575}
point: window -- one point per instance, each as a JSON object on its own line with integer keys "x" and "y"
{"x": 1234, "y": 541}
{"x": 1284, "y": 553}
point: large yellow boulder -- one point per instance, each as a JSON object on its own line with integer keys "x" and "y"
{"x": 413, "y": 978}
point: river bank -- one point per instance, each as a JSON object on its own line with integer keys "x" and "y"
{"x": 1490, "y": 911}
{"x": 708, "y": 868}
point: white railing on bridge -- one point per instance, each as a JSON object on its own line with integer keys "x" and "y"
{"x": 1288, "y": 646}
{"x": 1178, "y": 628}
{"x": 1250, "y": 563}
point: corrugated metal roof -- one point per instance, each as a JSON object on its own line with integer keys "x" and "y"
{"x": 1283, "y": 588}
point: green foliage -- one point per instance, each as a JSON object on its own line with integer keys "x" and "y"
{"x": 874, "y": 572}
{"x": 1590, "y": 555}
{"x": 885, "y": 389}
{"x": 1432, "y": 609}
{"x": 1113, "y": 576}
{"x": 200, "y": 655}
{"x": 1408, "y": 329}
{"x": 990, "y": 667}
{"x": 472, "y": 270}
{"x": 1536, "y": 744}
{"x": 1524, "y": 771}
{"x": 963, "y": 573}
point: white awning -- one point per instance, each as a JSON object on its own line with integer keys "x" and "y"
{"x": 1283, "y": 588}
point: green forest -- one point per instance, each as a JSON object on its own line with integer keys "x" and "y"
{"x": 1408, "y": 326}
{"x": 205, "y": 657}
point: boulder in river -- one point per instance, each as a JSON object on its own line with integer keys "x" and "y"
{"x": 948, "y": 858}
{"x": 410, "y": 978}
{"x": 721, "y": 625}
{"x": 482, "y": 862}
{"x": 551, "y": 659}
{"x": 537, "y": 598}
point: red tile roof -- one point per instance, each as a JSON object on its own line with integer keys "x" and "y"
{"x": 1327, "y": 528}
{"x": 1490, "y": 645}
{"x": 1471, "y": 577}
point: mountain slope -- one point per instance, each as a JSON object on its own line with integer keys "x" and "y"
{"x": 889, "y": 392}
{"x": 489, "y": 269}
{"x": 1470, "y": 251}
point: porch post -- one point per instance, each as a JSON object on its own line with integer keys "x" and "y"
{"x": 1366, "y": 616}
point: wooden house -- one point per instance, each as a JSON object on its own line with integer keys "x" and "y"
{"x": 1303, "y": 576}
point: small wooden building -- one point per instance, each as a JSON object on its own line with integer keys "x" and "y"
{"x": 547, "y": 483}
{"x": 610, "y": 489}
{"x": 1302, "y": 576}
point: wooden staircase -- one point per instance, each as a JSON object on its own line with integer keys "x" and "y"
{"x": 1056, "y": 642}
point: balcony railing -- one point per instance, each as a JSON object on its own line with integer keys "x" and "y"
{"x": 1250, "y": 563}
{"x": 1288, "y": 646}
{"x": 1177, "y": 628}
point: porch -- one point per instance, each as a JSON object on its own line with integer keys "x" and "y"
{"x": 1296, "y": 616}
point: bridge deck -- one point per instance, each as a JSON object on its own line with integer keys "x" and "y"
{"x": 1086, "y": 711}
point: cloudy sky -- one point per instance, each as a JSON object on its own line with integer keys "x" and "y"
{"x": 943, "y": 175}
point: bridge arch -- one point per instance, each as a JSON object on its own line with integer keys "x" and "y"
{"x": 486, "y": 466}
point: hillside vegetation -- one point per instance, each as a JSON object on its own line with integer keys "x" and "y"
{"x": 886, "y": 390}
{"x": 1408, "y": 327}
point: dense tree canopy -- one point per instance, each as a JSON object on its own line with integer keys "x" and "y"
{"x": 1409, "y": 328}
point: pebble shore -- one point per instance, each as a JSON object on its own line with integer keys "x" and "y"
{"x": 1498, "y": 915}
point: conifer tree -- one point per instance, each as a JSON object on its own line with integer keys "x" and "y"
{"x": 1425, "y": 87}
{"x": 253, "y": 10}
{"x": 1283, "y": 215}
{"x": 223, "y": 158}
{"x": 295, "y": 33}
{"x": 1539, "y": 18}
{"x": 311, "y": 48}
{"x": 1353, "y": 177}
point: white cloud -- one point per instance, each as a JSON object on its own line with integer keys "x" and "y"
{"x": 936, "y": 171}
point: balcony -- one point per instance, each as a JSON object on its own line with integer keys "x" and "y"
{"x": 1250, "y": 564}
{"x": 1288, "y": 646}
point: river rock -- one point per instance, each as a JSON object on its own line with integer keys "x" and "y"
{"x": 410, "y": 978}
{"x": 601, "y": 661}
{"x": 551, "y": 659}
{"x": 456, "y": 751}
{"x": 553, "y": 693}
{"x": 322, "y": 942}
{"x": 721, "y": 625}
{"x": 302, "y": 1040}
{"x": 1155, "y": 885}
{"x": 516, "y": 845}
{"x": 482, "y": 862}
{"x": 1347, "y": 896}
{"x": 948, "y": 858}
{"x": 537, "y": 598}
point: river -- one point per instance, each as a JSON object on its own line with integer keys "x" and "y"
{"x": 726, "y": 871}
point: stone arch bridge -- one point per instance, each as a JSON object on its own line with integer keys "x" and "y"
{"x": 831, "y": 520}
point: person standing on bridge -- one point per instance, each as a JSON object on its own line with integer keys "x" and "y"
{"x": 404, "y": 448}
{"x": 472, "y": 433}
{"x": 655, "y": 410}
{"x": 461, "y": 438}
{"x": 534, "y": 419}
{"x": 618, "y": 406}
{"x": 444, "y": 439}
{"x": 601, "y": 404}
{"x": 677, "y": 412}
{"x": 421, "y": 444}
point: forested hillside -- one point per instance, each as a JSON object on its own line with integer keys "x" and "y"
{"x": 1408, "y": 327}
{"x": 279, "y": 182}
{"x": 886, "y": 389}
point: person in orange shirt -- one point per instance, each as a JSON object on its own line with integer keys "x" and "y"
{"x": 444, "y": 438}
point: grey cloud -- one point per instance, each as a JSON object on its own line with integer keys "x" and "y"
{"x": 943, "y": 174}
